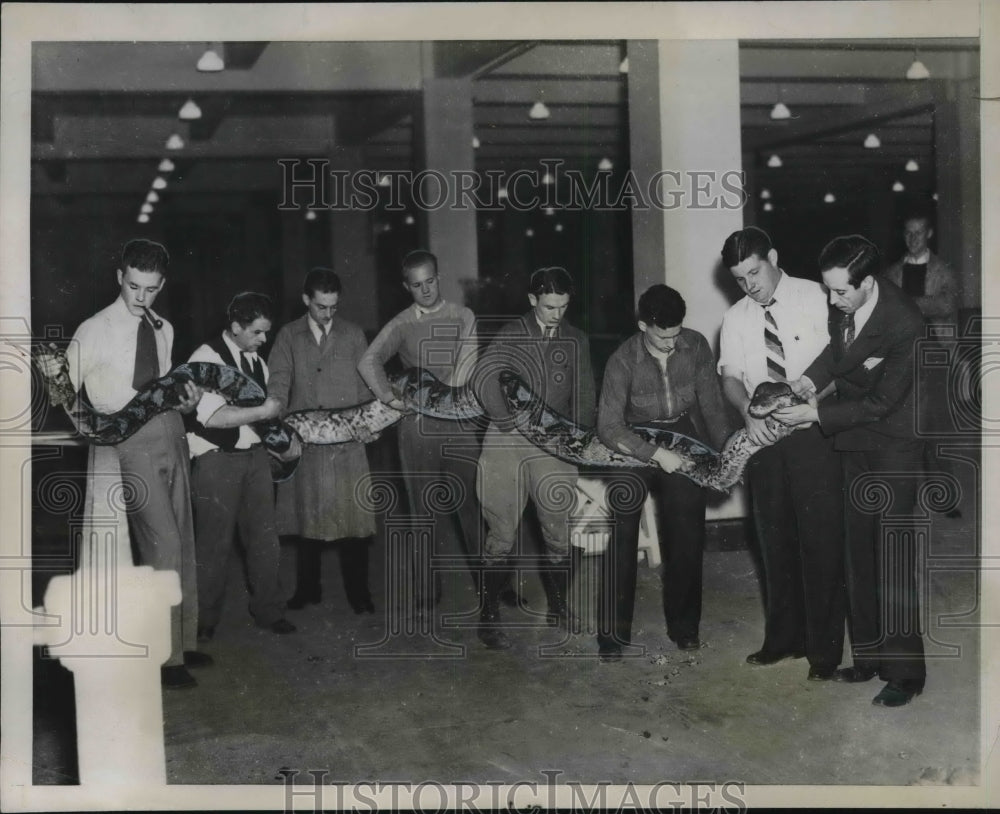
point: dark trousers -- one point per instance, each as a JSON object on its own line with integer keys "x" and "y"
{"x": 233, "y": 490}
{"x": 680, "y": 511}
{"x": 438, "y": 459}
{"x": 796, "y": 488}
{"x": 881, "y": 567}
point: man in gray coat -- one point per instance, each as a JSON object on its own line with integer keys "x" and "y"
{"x": 313, "y": 366}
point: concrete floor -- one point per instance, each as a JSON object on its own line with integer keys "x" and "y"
{"x": 307, "y": 701}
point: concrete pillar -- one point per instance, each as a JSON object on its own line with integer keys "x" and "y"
{"x": 696, "y": 127}
{"x": 957, "y": 153}
{"x": 445, "y": 144}
{"x": 352, "y": 251}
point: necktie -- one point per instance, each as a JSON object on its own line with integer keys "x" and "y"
{"x": 245, "y": 363}
{"x": 848, "y": 328}
{"x": 147, "y": 365}
{"x": 549, "y": 333}
{"x": 772, "y": 347}
{"x": 255, "y": 371}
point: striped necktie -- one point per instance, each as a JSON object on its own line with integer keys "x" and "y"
{"x": 772, "y": 347}
{"x": 848, "y": 327}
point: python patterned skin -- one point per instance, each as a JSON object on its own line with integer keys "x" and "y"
{"x": 560, "y": 437}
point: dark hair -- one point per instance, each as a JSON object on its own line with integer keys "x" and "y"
{"x": 550, "y": 280}
{"x": 919, "y": 213}
{"x": 419, "y": 257}
{"x": 321, "y": 279}
{"x": 662, "y": 306}
{"x": 740, "y": 245}
{"x": 855, "y": 253}
{"x": 145, "y": 255}
{"x": 247, "y": 307}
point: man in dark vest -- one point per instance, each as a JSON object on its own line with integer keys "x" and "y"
{"x": 231, "y": 476}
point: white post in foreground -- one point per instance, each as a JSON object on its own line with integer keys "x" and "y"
{"x": 114, "y": 634}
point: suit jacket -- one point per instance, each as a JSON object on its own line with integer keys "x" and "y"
{"x": 874, "y": 403}
{"x": 940, "y": 301}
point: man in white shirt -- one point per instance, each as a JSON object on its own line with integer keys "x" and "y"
{"x": 231, "y": 476}
{"x": 773, "y": 334}
{"x": 116, "y": 352}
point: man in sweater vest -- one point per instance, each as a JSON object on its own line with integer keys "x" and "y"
{"x": 231, "y": 476}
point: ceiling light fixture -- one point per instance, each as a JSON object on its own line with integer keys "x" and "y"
{"x": 310, "y": 214}
{"x": 143, "y": 218}
{"x": 780, "y": 111}
{"x": 605, "y": 164}
{"x": 898, "y": 186}
{"x": 547, "y": 178}
{"x": 934, "y": 196}
{"x": 152, "y": 197}
{"x": 549, "y": 210}
{"x": 538, "y": 111}
{"x": 768, "y": 206}
{"x": 765, "y": 194}
{"x": 912, "y": 166}
{"x": 146, "y": 208}
{"x": 175, "y": 142}
{"x": 383, "y": 181}
{"x": 211, "y": 60}
{"x": 623, "y": 66}
{"x": 872, "y": 141}
{"x": 189, "y": 111}
{"x": 409, "y": 220}
{"x": 502, "y": 193}
{"x": 159, "y": 182}
{"x": 774, "y": 161}
{"x": 529, "y": 232}
{"x": 829, "y": 198}
{"x": 475, "y": 143}
{"x": 917, "y": 69}
{"x": 166, "y": 165}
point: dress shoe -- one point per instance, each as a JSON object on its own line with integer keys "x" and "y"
{"x": 192, "y": 658}
{"x": 176, "y": 677}
{"x": 897, "y": 694}
{"x": 363, "y": 606}
{"x": 822, "y": 673}
{"x": 206, "y": 633}
{"x": 854, "y": 675}
{"x": 762, "y": 658}
{"x": 689, "y": 644}
{"x": 281, "y": 626}
{"x": 609, "y": 653}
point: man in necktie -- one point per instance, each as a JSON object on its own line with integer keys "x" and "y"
{"x": 231, "y": 477}
{"x": 102, "y": 360}
{"x": 871, "y": 421}
{"x": 663, "y": 373}
{"x": 313, "y": 366}
{"x": 511, "y": 469}
{"x": 773, "y": 334}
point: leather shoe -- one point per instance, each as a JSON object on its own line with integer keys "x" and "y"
{"x": 206, "y": 633}
{"x": 192, "y": 658}
{"x": 363, "y": 606}
{"x": 821, "y": 673}
{"x": 689, "y": 644}
{"x": 762, "y": 658}
{"x": 897, "y": 694}
{"x": 176, "y": 677}
{"x": 854, "y": 675}
{"x": 609, "y": 653}
{"x": 282, "y": 626}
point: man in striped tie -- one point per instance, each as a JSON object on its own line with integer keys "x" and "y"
{"x": 773, "y": 334}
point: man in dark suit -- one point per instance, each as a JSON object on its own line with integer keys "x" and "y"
{"x": 869, "y": 361}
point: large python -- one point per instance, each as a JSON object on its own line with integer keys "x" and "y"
{"x": 719, "y": 471}
{"x": 420, "y": 392}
